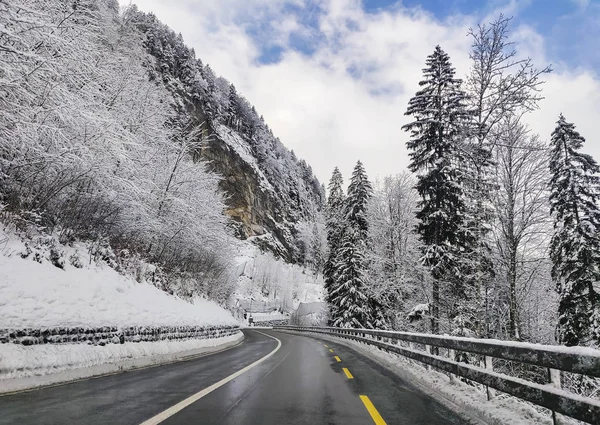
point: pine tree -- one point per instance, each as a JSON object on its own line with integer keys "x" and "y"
{"x": 575, "y": 244}
{"x": 440, "y": 114}
{"x": 351, "y": 304}
{"x": 335, "y": 227}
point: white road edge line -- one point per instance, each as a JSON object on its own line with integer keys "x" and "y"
{"x": 194, "y": 398}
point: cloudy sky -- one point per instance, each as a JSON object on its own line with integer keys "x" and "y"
{"x": 333, "y": 77}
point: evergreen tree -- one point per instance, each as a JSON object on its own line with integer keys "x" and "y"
{"x": 440, "y": 114}
{"x": 335, "y": 227}
{"x": 575, "y": 244}
{"x": 351, "y": 304}
{"x": 316, "y": 248}
{"x": 359, "y": 193}
{"x": 210, "y": 77}
{"x": 232, "y": 107}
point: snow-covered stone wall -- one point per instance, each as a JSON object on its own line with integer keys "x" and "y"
{"x": 112, "y": 334}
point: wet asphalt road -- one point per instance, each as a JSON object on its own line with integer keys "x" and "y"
{"x": 302, "y": 383}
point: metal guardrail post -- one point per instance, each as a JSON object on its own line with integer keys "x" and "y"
{"x": 554, "y": 378}
{"x": 489, "y": 366}
{"x": 451, "y": 356}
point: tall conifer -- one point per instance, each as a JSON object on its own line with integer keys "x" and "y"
{"x": 335, "y": 228}
{"x": 575, "y": 245}
{"x": 440, "y": 118}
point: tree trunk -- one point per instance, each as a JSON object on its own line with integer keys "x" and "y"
{"x": 435, "y": 308}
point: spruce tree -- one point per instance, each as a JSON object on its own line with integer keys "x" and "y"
{"x": 232, "y": 107}
{"x": 335, "y": 226}
{"x": 351, "y": 304}
{"x": 359, "y": 193}
{"x": 575, "y": 244}
{"x": 437, "y": 132}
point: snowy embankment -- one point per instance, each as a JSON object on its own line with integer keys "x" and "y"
{"x": 266, "y": 285}
{"x": 35, "y": 294}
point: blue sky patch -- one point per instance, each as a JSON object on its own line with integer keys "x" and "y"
{"x": 570, "y": 28}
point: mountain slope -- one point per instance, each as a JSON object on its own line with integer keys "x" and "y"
{"x": 269, "y": 190}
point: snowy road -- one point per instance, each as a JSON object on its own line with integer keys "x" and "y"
{"x": 301, "y": 383}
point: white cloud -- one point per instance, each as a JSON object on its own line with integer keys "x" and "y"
{"x": 346, "y": 101}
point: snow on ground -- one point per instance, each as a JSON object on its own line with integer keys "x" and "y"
{"x": 34, "y": 295}
{"x": 18, "y": 361}
{"x": 35, "y": 366}
{"x": 265, "y": 283}
{"x": 37, "y": 294}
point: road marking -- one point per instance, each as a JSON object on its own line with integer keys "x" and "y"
{"x": 372, "y": 411}
{"x": 347, "y": 372}
{"x": 325, "y": 345}
{"x": 194, "y": 398}
{"x": 331, "y": 350}
{"x": 337, "y": 359}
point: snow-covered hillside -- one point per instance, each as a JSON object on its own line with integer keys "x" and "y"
{"x": 48, "y": 286}
{"x": 266, "y": 284}
{"x": 37, "y": 294}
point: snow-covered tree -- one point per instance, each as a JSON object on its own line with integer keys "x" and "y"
{"x": 335, "y": 225}
{"x": 575, "y": 244}
{"x": 440, "y": 117}
{"x": 393, "y": 258}
{"x": 500, "y": 84}
{"x": 351, "y": 305}
{"x": 521, "y": 228}
{"x": 102, "y": 157}
{"x": 232, "y": 107}
{"x": 356, "y": 204}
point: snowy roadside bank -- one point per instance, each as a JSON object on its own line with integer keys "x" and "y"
{"x": 456, "y": 395}
{"x": 39, "y": 295}
{"x": 66, "y": 320}
{"x": 27, "y": 367}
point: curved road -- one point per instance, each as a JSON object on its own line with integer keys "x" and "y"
{"x": 302, "y": 382}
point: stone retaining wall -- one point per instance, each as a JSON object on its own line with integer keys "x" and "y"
{"x": 111, "y": 334}
{"x": 279, "y": 322}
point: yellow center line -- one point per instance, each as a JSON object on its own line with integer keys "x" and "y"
{"x": 372, "y": 411}
{"x": 325, "y": 345}
{"x": 331, "y": 350}
{"x": 337, "y": 359}
{"x": 347, "y": 372}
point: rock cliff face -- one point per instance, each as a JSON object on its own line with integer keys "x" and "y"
{"x": 251, "y": 206}
{"x": 269, "y": 191}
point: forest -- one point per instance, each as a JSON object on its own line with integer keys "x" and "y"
{"x": 493, "y": 232}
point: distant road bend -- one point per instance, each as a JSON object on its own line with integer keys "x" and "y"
{"x": 271, "y": 378}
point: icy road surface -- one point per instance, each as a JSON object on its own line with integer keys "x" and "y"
{"x": 305, "y": 380}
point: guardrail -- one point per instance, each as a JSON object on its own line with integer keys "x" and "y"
{"x": 580, "y": 360}
{"x": 111, "y": 334}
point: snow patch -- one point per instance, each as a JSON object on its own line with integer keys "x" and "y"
{"x": 28, "y": 367}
